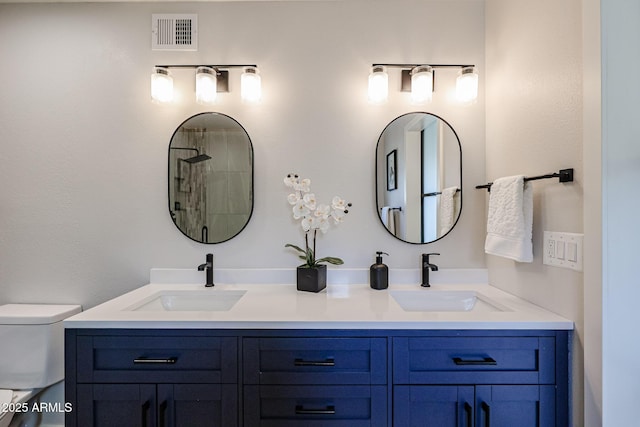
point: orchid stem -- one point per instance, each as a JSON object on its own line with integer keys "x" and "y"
{"x": 314, "y": 243}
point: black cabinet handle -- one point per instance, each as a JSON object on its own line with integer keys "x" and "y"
{"x": 165, "y": 361}
{"x": 145, "y": 410}
{"x": 487, "y": 414}
{"x": 469, "y": 411}
{"x": 477, "y": 362}
{"x": 329, "y": 410}
{"x": 327, "y": 362}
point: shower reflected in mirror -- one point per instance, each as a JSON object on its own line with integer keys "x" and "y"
{"x": 195, "y": 159}
{"x": 210, "y": 178}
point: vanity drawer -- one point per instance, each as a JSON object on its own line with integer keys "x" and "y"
{"x": 315, "y": 360}
{"x": 155, "y": 359}
{"x": 315, "y": 406}
{"x": 474, "y": 360}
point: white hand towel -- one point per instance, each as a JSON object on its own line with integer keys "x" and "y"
{"x": 389, "y": 219}
{"x": 510, "y": 219}
{"x": 447, "y": 209}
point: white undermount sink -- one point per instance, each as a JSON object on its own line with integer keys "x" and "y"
{"x": 432, "y": 300}
{"x": 190, "y": 300}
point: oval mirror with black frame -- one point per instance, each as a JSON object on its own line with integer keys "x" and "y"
{"x": 419, "y": 178}
{"x": 210, "y": 177}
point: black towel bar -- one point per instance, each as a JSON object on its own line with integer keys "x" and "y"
{"x": 437, "y": 193}
{"x": 564, "y": 175}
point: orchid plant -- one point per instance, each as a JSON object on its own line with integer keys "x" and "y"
{"x": 314, "y": 216}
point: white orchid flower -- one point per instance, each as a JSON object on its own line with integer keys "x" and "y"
{"x": 322, "y": 211}
{"x": 290, "y": 180}
{"x": 307, "y": 223}
{"x": 310, "y": 201}
{"x": 313, "y": 216}
{"x": 293, "y": 198}
{"x": 321, "y": 224}
{"x": 304, "y": 185}
{"x": 338, "y": 215}
{"x": 338, "y": 203}
{"x": 300, "y": 210}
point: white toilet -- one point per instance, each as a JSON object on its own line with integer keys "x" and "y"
{"x": 32, "y": 356}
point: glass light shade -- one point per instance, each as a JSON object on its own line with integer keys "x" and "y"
{"x": 378, "y": 85}
{"x": 161, "y": 86}
{"x": 206, "y": 85}
{"x": 421, "y": 84}
{"x": 250, "y": 85}
{"x": 467, "y": 85}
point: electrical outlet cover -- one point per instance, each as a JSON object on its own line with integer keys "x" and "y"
{"x": 570, "y": 256}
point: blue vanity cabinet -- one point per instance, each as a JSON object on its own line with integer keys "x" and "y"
{"x": 440, "y": 406}
{"x": 317, "y": 378}
{"x": 163, "y": 405}
{"x": 126, "y": 405}
{"x": 480, "y": 406}
{"x": 473, "y": 380}
{"x": 171, "y": 379}
{"x": 315, "y": 381}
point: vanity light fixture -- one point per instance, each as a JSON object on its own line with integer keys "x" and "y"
{"x": 467, "y": 85}
{"x": 420, "y": 79}
{"x": 161, "y": 86}
{"x": 378, "y": 84}
{"x": 421, "y": 84}
{"x": 206, "y": 85}
{"x": 250, "y": 85}
{"x": 210, "y": 80}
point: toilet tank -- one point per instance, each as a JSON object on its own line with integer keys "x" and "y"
{"x": 32, "y": 344}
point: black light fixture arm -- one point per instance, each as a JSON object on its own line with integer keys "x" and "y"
{"x": 216, "y": 67}
{"x": 408, "y": 66}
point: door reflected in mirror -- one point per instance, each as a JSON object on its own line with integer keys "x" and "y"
{"x": 210, "y": 178}
{"x": 419, "y": 178}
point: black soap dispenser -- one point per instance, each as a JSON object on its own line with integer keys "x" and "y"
{"x": 379, "y": 273}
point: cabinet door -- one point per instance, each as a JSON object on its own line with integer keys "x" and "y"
{"x": 520, "y": 405}
{"x": 122, "y": 405}
{"x": 433, "y": 406}
{"x": 197, "y": 405}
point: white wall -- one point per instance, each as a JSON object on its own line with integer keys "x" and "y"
{"x": 83, "y": 163}
{"x": 534, "y": 127}
{"x": 592, "y": 179}
{"x": 620, "y": 225}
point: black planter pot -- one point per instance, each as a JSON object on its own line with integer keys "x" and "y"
{"x": 311, "y": 279}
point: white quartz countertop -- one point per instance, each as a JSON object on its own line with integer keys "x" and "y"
{"x": 341, "y": 306}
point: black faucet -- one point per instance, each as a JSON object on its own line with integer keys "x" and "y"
{"x": 426, "y": 267}
{"x": 209, "y": 268}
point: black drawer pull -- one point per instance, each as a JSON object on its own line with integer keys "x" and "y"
{"x": 487, "y": 414}
{"x": 166, "y": 361}
{"x": 469, "y": 411}
{"x": 484, "y": 361}
{"x": 329, "y": 410}
{"x": 161, "y": 414}
{"x": 327, "y": 362}
{"x": 144, "y": 411}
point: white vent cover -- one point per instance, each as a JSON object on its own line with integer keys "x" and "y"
{"x": 174, "y": 31}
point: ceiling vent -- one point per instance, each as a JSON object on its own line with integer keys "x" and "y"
{"x": 174, "y": 32}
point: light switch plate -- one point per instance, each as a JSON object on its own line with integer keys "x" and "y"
{"x": 563, "y": 250}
